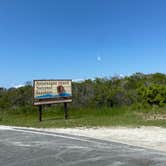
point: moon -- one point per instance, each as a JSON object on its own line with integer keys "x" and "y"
{"x": 99, "y": 58}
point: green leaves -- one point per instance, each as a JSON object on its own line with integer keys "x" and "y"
{"x": 137, "y": 89}
{"x": 154, "y": 94}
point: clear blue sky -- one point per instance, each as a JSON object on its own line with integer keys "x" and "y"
{"x": 54, "y": 39}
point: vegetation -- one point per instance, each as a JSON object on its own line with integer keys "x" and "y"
{"x": 135, "y": 100}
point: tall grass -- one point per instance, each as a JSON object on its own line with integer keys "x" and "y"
{"x": 83, "y": 117}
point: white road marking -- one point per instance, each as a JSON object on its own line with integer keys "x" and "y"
{"x": 5, "y": 127}
{"x": 48, "y": 134}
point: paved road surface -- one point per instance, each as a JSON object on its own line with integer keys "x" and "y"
{"x": 23, "y": 147}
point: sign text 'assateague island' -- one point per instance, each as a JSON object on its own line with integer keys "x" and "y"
{"x": 52, "y": 91}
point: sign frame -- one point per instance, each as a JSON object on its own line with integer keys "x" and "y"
{"x": 48, "y": 101}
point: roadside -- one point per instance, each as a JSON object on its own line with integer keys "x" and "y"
{"x": 147, "y": 137}
{"x": 103, "y": 117}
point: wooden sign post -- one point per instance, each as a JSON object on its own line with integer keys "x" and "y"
{"x": 40, "y": 113}
{"x": 47, "y": 92}
{"x": 65, "y": 110}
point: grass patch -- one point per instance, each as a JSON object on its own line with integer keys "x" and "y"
{"x": 54, "y": 117}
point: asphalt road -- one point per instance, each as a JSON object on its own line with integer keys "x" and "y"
{"x": 19, "y": 147}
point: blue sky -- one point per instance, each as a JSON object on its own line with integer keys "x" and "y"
{"x": 54, "y": 39}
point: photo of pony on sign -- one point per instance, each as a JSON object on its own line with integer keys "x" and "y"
{"x": 52, "y": 91}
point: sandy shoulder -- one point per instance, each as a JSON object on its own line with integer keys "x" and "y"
{"x": 148, "y": 137}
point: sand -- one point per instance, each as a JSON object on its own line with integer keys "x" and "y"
{"x": 147, "y": 137}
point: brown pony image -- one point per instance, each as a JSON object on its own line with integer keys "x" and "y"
{"x": 60, "y": 89}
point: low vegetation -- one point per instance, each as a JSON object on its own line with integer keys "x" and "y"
{"x": 129, "y": 101}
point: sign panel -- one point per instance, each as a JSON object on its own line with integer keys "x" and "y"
{"x": 52, "y": 91}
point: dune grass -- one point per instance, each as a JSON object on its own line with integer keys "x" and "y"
{"x": 54, "y": 118}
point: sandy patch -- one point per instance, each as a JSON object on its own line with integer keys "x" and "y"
{"x": 148, "y": 137}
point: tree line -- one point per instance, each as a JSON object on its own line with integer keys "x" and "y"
{"x": 138, "y": 89}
